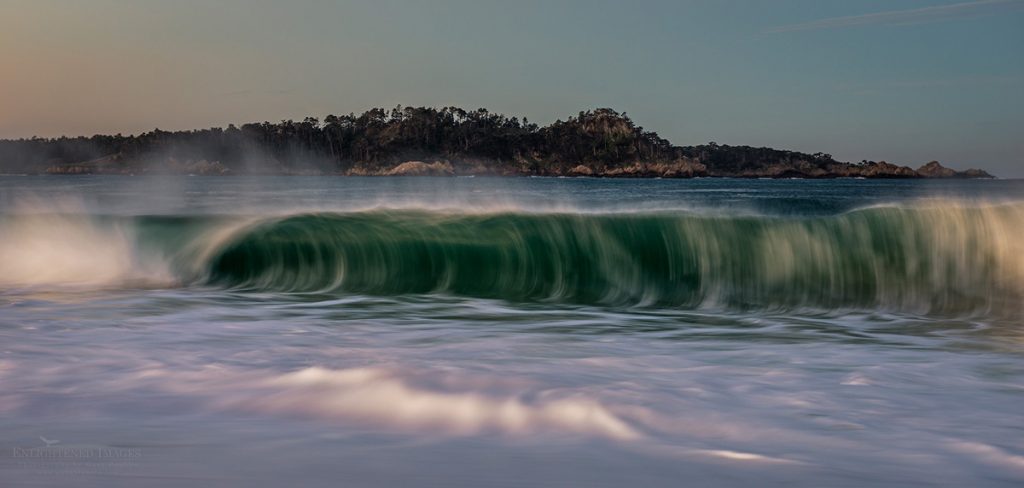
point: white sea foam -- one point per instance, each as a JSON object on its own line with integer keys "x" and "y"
{"x": 991, "y": 455}
{"x": 393, "y": 399}
{"x": 385, "y": 397}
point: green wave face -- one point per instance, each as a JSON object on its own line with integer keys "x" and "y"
{"x": 946, "y": 259}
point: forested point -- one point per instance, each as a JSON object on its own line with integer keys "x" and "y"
{"x": 431, "y": 141}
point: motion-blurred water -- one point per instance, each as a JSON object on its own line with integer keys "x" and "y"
{"x": 322, "y": 331}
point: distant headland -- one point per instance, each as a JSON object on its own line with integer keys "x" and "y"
{"x": 434, "y": 142}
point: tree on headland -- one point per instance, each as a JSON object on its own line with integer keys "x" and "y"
{"x": 600, "y": 142}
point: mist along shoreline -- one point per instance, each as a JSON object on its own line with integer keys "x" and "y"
{"x": 424, "y": 141}
{"x": 432, "y": 174}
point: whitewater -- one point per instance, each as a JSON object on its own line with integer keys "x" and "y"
{"x": 245, "y": 331}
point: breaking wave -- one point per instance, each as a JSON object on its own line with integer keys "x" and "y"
{"x": 939, "y": 258}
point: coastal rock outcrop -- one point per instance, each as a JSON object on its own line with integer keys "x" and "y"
{"x": 936, "y": 170}
{"x": 672, "y": 169}
{"x": 882, "y": 169}
{"x": 419, "y": 168}
{"x": 581, "y": 170}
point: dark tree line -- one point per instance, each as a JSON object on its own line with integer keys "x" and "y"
{"x": 600, "y": 140}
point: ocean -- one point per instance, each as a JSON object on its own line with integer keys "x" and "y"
{"x": 333, "y": 331}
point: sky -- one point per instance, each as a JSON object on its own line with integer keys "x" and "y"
{"x": 905, "y": 81}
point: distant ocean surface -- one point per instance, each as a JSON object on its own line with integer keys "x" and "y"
{"x": 330, "y": 331}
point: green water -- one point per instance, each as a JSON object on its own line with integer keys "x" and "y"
{"x": 510, "y": 332}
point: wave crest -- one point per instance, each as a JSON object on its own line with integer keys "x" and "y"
{"x": 937, "y": 259}
{"x": 929, "y": 260}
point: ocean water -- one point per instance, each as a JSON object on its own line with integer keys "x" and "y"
{"x": 290, "y": 331}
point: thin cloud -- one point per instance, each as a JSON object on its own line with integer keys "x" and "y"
{"x": 907, "y": 17}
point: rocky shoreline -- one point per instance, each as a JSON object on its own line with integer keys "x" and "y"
{"x": 674, "y": 169}
{"x": 426, "y": 141}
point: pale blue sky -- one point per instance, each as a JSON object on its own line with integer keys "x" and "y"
{"x": 906, "y": 81}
